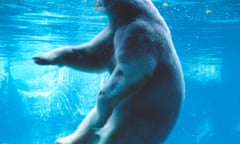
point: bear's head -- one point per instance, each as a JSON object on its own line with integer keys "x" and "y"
{"x": 99, "y": 5}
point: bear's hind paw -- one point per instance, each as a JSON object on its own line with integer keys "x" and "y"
{"x": 63, "y": 140}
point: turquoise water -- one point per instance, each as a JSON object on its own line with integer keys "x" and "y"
{"x": 39, "y": 104}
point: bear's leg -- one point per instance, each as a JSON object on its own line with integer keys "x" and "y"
{"x": 85, "y": 133}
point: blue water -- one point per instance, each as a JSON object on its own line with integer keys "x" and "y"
{"x": 39, "y": 104}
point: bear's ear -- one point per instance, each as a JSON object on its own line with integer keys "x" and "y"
{"x": 99, "y": 5}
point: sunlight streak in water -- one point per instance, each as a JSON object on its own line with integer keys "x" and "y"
{"x": 61, "y": 90}
{"x": 238, "y": 128}
{"x": 204, "y": 72}
{"x": 205, "y": 130}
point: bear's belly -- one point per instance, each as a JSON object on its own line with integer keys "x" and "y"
{"x": 145, "y": 118}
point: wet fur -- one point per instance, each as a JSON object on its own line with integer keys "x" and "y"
{"x": 140, "y": 102}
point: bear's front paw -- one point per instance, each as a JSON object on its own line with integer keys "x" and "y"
{"x": 41, "y": 60}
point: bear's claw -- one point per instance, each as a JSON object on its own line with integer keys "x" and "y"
{"x": 41, "y": 61}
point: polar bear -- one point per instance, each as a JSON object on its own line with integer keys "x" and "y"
{"x": 140, "y": 101}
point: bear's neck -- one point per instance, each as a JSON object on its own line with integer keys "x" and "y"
{"x": 122, "y": 12}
